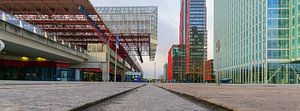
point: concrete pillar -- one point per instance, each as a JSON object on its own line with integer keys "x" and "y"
{"x": 297, "y": 79}
{"x": 105, "y": 72}
{"x": 77, "y": 75}
{"x": 123, "y": 71}
{"x": 105, "y": 66}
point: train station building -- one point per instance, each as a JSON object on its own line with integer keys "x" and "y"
{"x": 73, "y": 40}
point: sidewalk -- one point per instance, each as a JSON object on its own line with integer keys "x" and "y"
{"x": 244, "y": 97}
{"x": 58, "y": 96}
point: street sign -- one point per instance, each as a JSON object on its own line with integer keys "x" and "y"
{"x": 2, "y": 45}
{"x": 117, "y": 41}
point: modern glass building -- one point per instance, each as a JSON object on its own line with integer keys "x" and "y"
{"x": 193, "y": 36}
{"x": 256, "y": 41}
{"x": 174, "y": 67}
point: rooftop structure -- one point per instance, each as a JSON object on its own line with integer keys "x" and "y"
{"x": 63, "y": 19}
{"x": 137, "y": 27}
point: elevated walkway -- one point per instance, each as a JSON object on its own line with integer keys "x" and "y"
{"x": 24, "y": 39}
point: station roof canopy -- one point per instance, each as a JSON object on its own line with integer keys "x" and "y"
{"x": 46, "y": 7}
{"x": 63, "y": 19}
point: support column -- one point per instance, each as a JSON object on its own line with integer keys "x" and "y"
{"x": 122, "y": 75}
{"x": 105, "y": 72}
{"x": 297, "y": 79}
{"x": 77, "y": 75}
{"x": 105, "y": 66}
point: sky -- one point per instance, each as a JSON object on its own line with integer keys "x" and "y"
{"x": 168, "y": 29}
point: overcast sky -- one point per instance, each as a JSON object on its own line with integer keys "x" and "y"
{"x": 168, "y": 28}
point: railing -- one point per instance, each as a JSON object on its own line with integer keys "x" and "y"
{"x": 12, "y": 24}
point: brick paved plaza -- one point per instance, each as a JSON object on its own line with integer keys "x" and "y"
{"x": 58, "y": 96}
{"x": 244, "y": 97}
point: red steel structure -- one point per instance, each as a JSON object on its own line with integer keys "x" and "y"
{"x": 63, "y": 19}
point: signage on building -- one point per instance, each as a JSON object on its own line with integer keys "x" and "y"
{"x": 2, "y": 45}
{"x": 218, "y": 46}
{"x": 117, "y": 41}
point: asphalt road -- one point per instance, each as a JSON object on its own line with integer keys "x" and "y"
{"x": 148, "y": 98}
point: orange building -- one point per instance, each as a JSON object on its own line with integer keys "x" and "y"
{"x": 209, "y": 76}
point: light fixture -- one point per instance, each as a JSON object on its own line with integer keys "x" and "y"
{"x": 24, "y": 58}
{"x": 40, "y": 59}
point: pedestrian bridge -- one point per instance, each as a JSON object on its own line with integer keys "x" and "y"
{"x": 23, "y": 39}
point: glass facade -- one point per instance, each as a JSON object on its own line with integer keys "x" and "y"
{"x": 257, "y": 41}
{"x": 193, "y": 36}
{"x": 34, "y": 70}
{"x": 175, "y": 66}
{"x": 133, "y": 20}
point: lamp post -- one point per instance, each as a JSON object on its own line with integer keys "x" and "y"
{"x": 155, "y": 71}
{"x": 115, "y": 76}
{"x": 204, "y": 70}
{"x": 117, "y": 46}
{"x": 193, "y": 76}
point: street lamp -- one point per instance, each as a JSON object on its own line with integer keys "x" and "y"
{"x": 117, "y": 46}
{"x": 155, "y": 71}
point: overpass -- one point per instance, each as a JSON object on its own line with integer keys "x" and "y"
{"x": 22, "y": 41}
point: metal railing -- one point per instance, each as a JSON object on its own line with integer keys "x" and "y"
{"x": 14, "y": 25}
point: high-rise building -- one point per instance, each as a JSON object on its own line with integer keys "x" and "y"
{"x": 174, "y": 66}
{"x": 256, "y": 41}
{"x": 193, "y": 37}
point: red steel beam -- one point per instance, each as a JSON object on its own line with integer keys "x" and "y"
{"x": 31, "y": 9}
{"x": 65, "y": 22}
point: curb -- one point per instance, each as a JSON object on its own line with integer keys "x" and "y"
{"x": 85, "y": 106}
{"x": 212, "y": 105}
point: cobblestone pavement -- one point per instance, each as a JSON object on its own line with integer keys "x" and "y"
{"x": 244, "y": 97}
{"x": 55, "y": 96}
{"x": 148, "y": 98}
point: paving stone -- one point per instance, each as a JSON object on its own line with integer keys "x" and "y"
{"x": 55, "y": 96}
{"x": 245, "y": 97}
{"x": 148, "y": 98}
